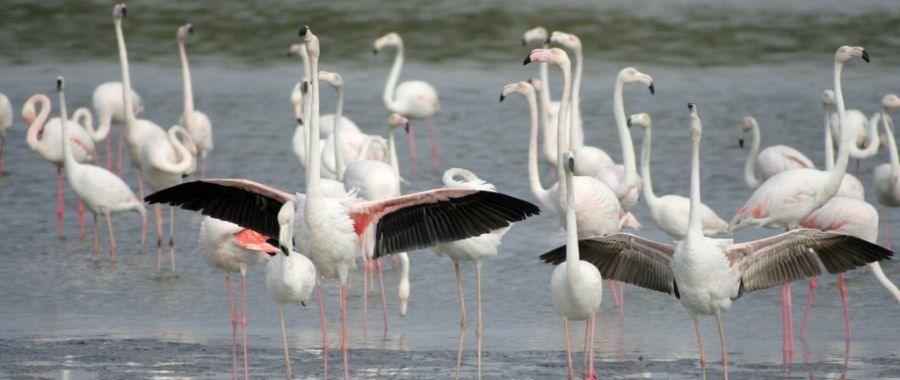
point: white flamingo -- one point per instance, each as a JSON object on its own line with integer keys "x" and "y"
{"x": 772, "y": 160}
{"x": 332, "y": 230}
{"x": 707, "y": 274}
{"x": 101, "y": 191}
{"x": 887, "y": 176}
{"x": 784, "y": 199}
{"x": 197, "y": 123}
{"x": 164, "y": 162}
{"x": 43, "y": 137}
{"x": 670, "y": 212}
{"x": 851, "y": 187}
{"x": 6, "y": 118}
{"x": 412, "y": 99}
{"x": 549, "y": 108}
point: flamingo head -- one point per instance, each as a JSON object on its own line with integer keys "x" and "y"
{"x": 567, "y": 40}
{"x": 555, "y": 56}
{"x": 827, "y": 98}
{"x": 311, "y": 41}
{"x": 28, "y": 110}
{"x": 845, "y": 53}
{"x": 640, "y": 119}
{"x": 524, "y": 88}
{"x": 536, "y": 83}
{"x": 396, "y": 120}
{"x": 120, "y": 11}
{"x": 696, "y": 126}
{"x": 535, "y": 36}
{"x": 890, "y": 101}
{"x": 184, "y": 30}
{"x": 286, "y": 228}
{"x": 390, "y": 39}
{"x": 630, "y": 75}
{"x": 569, "y": 161}
{"x": 747, "y": 123}
{"x": 332, "y": 78}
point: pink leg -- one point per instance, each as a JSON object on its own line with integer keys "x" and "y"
{"x": 809, "y": 300}
{"x": 324, "y": 324}
{"x": 784, "y": 349}
{"x": 244, "y": 324}
{"x": 60, "y": 202}
{"x": 383, "y": 299}
{"x": 843, "y": 289}
{"x": 435, "y": 151}
{"x": 614, "y": 293}
{"x": 121, "y": 149}
{"x": 622, "y": 296}
{"x": 790, "y": 324}
{"x": 96, "y": 241}
{"x": 233, "y": 326}
{"x": 2, "y": 143}
{"x": 82, "y": 228}
{"x": 345, "y": 344}
{"x": 413, "y": 155}
{"x": 479, "y": 330}
{"x": 592, "y": 323}
{"x": 112, "y": 239}
{"x": 365, "y": 293}
{"x": 159, "y": 237}
{"x": 465, "y": 320}
{"x": 108, "y": 153}
{"x": 143, "y": 217}
{"x": 568, "y": 348}
{"x": 172, "y": 237}
{"x": 288, "y": 371}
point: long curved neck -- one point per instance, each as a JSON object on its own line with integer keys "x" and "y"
{"x": 829, "y": 141}
{"x": 575, "y": 119}
{"x": 126, "y": 76}
{"x": 338, "y": 156}
{"x": 749, "y": 174}
{"x": 34, "y": 129}
{"x": 69, "y": 158}
{"x": 392, "y": 79}
{"x": 545, "y": 78}
{"x": 183, "y": 156}
{"x": 695, "y": 228}
{"x": 647, "y": 185}
{"x": 572, "y": 254}
{"x": 392, "y": 153}
{"x": 84, "y": 118}
{"x": 547, "y": 131}
{"x": 534, "y": 176}
{"x": 843, "y": 159}
{"x": 562, "y": 122}
{"x": 624, "y": 137}
{"x": 313, "y": 165}
{"x": 188, "y": 87}
{"x": 892, "y": 145}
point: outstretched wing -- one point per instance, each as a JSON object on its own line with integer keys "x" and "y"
{"x": 800, "y": 254}
{"x": 245, "y": 203}
{"x": 625, "y": 258}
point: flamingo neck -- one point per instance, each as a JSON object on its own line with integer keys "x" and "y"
{"x": 313, "y": 165}
{"x": 624, "y": 138}
{"x": 68, "y": 156}
{"x": 391, "y": 84}
{"x": 534, "y": 176}
{"x": 392, "y": 152}
{"x": 829, "y": 141}
{"x": 647, "y": 184}
{"x": 126, "y": 75}
{"x": 572, "y": 254}
{"x": 874, "y": 141}
{"x": 576, "y": 132}
{"x": 749, "y": 174}
{"x": 562, "y": 123}
{"x": 84, "y": 118}
{"x": 695, "y": 228}
{"x": 843, "y": 158}
{"x": 188, "y": 87}
{"x": 182, "y": 155}
{"x": 545, "y": 77}
{"x": 304, "y": 56}
{"x": 37, "y": 125}
{"x": 892, "y": 145}
{"x": 338, "y": 154}
{"x": 546, "y": 126}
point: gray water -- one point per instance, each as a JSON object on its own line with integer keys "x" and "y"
{"x": 61, "y": 312}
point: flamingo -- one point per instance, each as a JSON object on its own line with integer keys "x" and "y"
{"x": 887, "y": 176}
{"x": 772, "y": 160}
{"x": 707, "y": 274}
{"x": 43, "y": 137}
{"x": 784, "y": 199}
{"x": 101, "y": 191}
{"x": 670, "y": 212}
{"x": 549, "y": 108}
{"x": 196, "y": 123}
{"x": 412, "y": 99}
{"x": 858, "y": 126}
{"x": 851, "y": 187}
{"x": 290, "y": 276}
{"x": 164, "y": 162}
{"x": 590, "y": 158}
{"x": 333, "y": 230}
{"x": 6, "y": 117}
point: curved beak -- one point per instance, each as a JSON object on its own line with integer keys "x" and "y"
{"x": 628, "y": 122}
{"x": 741, "y": 143}
{"x": 527, "y": 60}
{"x": 406, "y": 127}
{"x": 502, "y": 97}
{"x": 865, "y": 55}
{"x": 652, "y": 89}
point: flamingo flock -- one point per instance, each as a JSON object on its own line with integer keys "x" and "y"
{"x": 352, "y": 210}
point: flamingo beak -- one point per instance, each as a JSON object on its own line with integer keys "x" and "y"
{"x": 865, "y": 55}
{"x": 652, "y": 90}
{"x": 406, "y": 127}
{"x": 741, "y": 143}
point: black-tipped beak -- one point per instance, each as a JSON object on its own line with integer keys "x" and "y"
{"x": 741, "y": 143}
{"x": 374, "y": 51}
{"x": 305, "y": 87}
{"x": 502, "y": 97}
{"x": 184, "y": 175}
{"x": 652, "y": 89}
{"x": 303, "y": 303}
{"x": 58, "y": 84}
{"x": 690, "y": 106}
{"x": 299, "y": 120}
{"x": 865, "y": 56}
{"x": 303, "y": 30}
{"x": 527, "y": 60}
{"x": 406, "y": 127}
{"x": 284, "y": 250}
{"x": 124, "y": 11}
{"x": 190, "y": 30}
{"x": 628, "y": 122}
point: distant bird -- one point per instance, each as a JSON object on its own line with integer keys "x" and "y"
{"x": 412, "y": 99}
{"x": 549, "y": 108}
{"x": 851, "y": 187}
{"x": 772, "y": 160}
{"x": 195, "y": 121}
{"x": 101, "y": 191}
{"x": 6, "y": 117}
{"x": 886, "y": 180}
{"x": 707, "y": 274}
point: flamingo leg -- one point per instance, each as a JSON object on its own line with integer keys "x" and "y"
{"x": 843, "y": 289}
{"x": 435, "y": 151}
{"x": 584, "y": 352}
{"x": 172, "y": 237}
{"x": 345, "y": 344}
{"x": 699, "y": 342}
{"x": 2, "y": 143}
{"x": 288, "y": 371}
{"x": 413, "y": 155}
{"x": 96, "y": 248}
{"x": 592, "y": 322}
{"x": 121, "y": 149}
{"x": 108, "y": 153}
{"x": 465, "y": 321}
{"x": 60, "y": 202}
{"x": 806, "y": 310}
{"x": 785, "y": 351}
{"x": 887, "y": 231}
{"x": 324, "y": 325}
{"x": 622, "y": 296}
{"x": 790, "y": 323}
{"x": 365, "y": 293}
{"x": 82, "y": 226}
{"x": 159, "y": 236}
{"x": 722, "y": 342}
{"x": 568, "y": 348}
{"x": 383, "y": 299}
{"x": 112, "y": 238}
{"x": 613, "y": 293}
{"x": 479, "y": 330}
{"x": 231, "y": 307}
{"x": 244, "y": 324}
{"x": 144, "y": 217}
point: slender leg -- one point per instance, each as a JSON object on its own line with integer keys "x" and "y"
{"x": 288, "y": 372}
{"x": 622, "y": 295}
{"x": 365, "y": 292}
{"x": 324, "y": 323}
{"x": 887, "y": 231}
{"x": 809, "y": 300}
{"x": 112, "y": 238}
{"x": 613, "y": 293}
{"x": 699, "y": 341}
{"x": 141, "y": 194}
{"x": 234, "y": 320}
{"x": 413, "y": 155}
{"x": 790, "y": 324}
{"x": 108, "y": 153}
{"x": 172, "y": 237}
{"x": 244, "y": 324}
{"x": 843, "y": 289}
{"x": 2, "y": 143}
{"x": 60, "y": 202}
{"x": 159, "y": 237}
{"x": 479, "y": 330}
{"x": 587, "y": 347}
{"x": 96, "y": 241}
{"x": 345, "y": 344}
{"x": 465, "y": 321}
{"x": 383, "y": 299}
{"x": 82, "y": 227}
{"x": 121, "y": 149}
{"x": 435, "y": 151}
{"x": 568, "y": 348}
{"x": 784, "y": 328}
{"x": 722, "y": 341}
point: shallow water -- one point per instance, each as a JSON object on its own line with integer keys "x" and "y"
{"x": 734, "y": 59}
